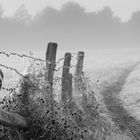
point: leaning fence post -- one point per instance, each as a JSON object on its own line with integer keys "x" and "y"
{"x": 66, "y": 79}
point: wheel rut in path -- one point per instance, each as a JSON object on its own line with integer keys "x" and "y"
{"x": 118, "y": 113}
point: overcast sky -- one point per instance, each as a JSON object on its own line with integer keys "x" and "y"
{"x": 28, "y": 25}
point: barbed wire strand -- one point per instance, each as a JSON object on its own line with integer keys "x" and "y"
{"x": 59, "y": 60}
{"x": 12, "y": 69}
{"x": 26, "y": 56}
{"x": 30, "y": 57}
{"x": 36, "y": 59}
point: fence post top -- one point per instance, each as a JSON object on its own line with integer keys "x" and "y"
{"x": 52, "y": 43}
{"x": 81, "y": 53}
{"x": 68, "y": 54}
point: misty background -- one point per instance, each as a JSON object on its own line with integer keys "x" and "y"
{"x": 71, "y": 27}
{"x": 103, "y": 36}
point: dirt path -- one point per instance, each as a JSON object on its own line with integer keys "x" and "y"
{"x": 118, "y": 113}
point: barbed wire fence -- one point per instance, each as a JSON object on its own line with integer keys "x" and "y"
{"x": 57, "y": 69}
{"x": 61, "y": 81}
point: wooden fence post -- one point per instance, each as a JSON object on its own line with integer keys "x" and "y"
{"x": 78, "y": 80}
{"x": 51, "y": 58}
{"x": 66, "y": 94}
{"x": 79, "y": 70}
{"x": 12, "y": 119}
{"x": 50, "y": 63}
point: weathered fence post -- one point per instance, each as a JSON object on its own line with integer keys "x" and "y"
{"x": 50, "y": 64}
{"x": 79, "y": 70}
{"x": 78, "y": 80}
{"x": 66, "y": 80}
